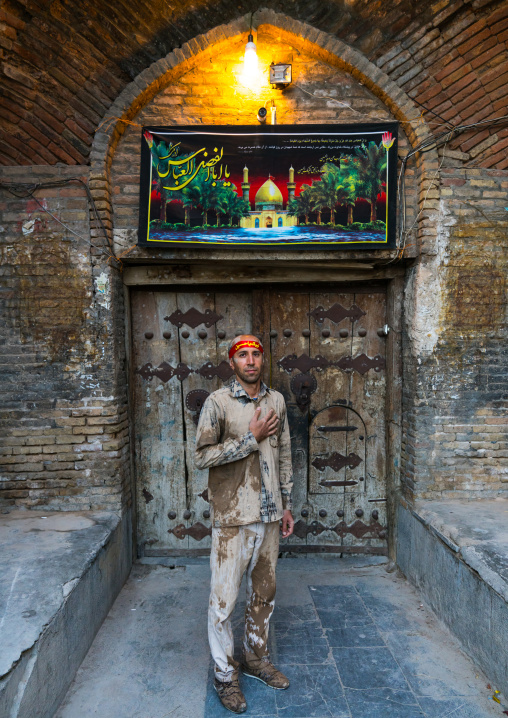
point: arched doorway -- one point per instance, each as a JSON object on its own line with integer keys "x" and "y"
{"x": 108, "y": 161}
{"x": 256, "y": 223}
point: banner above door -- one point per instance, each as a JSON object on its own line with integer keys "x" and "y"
{"x": 288, "y": 187}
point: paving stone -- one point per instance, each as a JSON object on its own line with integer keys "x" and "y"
{"x": 387, "y": 616}
{"x": 333, "y": 596}
{"x": 293, "y": 651}
{"x": 312, "y": 633}
{"x": 417, "y": 659}
{"x": 451, "y": 707}
{"x": 369, "y": 668}
{"x": 155, "y": 661}
{"x": 315, "y": 692}
{"x": 335, "y": 618}
{"x": 383, "y": 703}
{"x": 294, "y": 616}
{"x": 354, "y": 636}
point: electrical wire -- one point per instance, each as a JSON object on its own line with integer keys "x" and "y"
{"x": 375, "y": 117}
{"x": 431, "y": 143}
{"x": 79, "y": 236}
{"x": 350, "y": 107}
{"x": 427, "y": 109}
{"x": 112, "y": 118}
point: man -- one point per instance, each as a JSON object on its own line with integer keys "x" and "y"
{"x": 243, "y": 438}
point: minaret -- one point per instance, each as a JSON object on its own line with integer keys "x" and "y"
{"x": 291, "y": 184}
{"x": 245, "y": 184}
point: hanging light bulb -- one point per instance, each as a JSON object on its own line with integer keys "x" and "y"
{"x": 250, "y": 62}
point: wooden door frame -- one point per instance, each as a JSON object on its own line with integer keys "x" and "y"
{"x": 215, "y": 275}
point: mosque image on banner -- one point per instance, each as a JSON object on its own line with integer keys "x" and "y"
{"x": 296, "y": 187}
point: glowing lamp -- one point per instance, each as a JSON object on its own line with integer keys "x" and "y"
{"x": 250, "y": 60}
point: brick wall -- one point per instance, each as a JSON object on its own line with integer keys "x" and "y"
{"x": 456, "y": 64}
{"x": 65, "y": 429}
{"x": 64, "y": 438}
{"x": 64, "y": 65}
{"x": 454, "y": 436}
{"x": 456, "y": 395}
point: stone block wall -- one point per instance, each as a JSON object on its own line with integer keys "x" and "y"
{"x": 64, "y": 435}
{"x": 461, "y": 576}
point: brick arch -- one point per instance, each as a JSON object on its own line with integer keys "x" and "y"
{"x": 298, "y": 34}
{"x": 65, "y": 63}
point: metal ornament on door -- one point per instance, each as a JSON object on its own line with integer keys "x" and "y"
{"x": 173, "y": 373}
{"x": 338, "y": 450}
{"x": 194, "y": 402}
{"x": 323, "y": 351}
{"x": 303, "y": 386}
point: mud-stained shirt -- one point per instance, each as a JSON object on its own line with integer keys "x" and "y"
{"x": 247, "y": 481}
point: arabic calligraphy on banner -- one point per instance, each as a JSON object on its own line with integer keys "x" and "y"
{"x": 293, "y": 187}
{"x": 177, "y": 172}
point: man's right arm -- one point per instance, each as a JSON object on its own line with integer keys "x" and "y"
{"x": 209, "y": 449}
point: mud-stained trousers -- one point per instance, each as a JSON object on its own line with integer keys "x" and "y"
{"x": 235, "y": 549}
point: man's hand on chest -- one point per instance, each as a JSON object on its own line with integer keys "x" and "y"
{"x": 263, "y": 428}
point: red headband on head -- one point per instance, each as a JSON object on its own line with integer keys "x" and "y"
{"x": 245, "y": 343}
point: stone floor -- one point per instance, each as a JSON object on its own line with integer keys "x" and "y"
{"x": 355, "y": 640}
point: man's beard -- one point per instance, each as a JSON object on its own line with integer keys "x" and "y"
{"x": 247, "y": 378}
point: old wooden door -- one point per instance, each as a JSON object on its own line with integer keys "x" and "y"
{"x": 323, "y": 350}
{"x": 180, "y": 343}
{"x": 327, "y": 357}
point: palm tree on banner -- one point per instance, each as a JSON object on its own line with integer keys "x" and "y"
{"x": 303, "y": 204}
{"x": 293, "y": 208}
{"x": 158, "y": 152}
{"x": 316, "y": 201}
{"x": 324, "y": 192}
{"x": 239, "y": 209}
{"x": 371, "y": 174}
{"x": 218, "y": 200}
{"x": 200, "y": 193}
{"x": 226, "y": 201}
{"x": 347, "y": 180}
{"x": 188, "y": 204}
{"x": 233, "y": 205}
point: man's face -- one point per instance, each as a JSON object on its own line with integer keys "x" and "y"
{"x": 247, "y": 364}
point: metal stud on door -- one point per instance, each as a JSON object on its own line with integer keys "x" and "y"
{"x": 328, "y": 361}
{"x": 176, "y": 367}
{"x": 324, "y": 351}
{"x": 333, "y": 462}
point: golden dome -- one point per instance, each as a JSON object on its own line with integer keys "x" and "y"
{"x": 268, "y": 194}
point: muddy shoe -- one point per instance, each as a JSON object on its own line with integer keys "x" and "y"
{"x": 230, "y": 694}
{"x": 266, "y": 673}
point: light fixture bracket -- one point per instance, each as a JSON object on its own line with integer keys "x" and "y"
{"x": 280, "y": 74}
